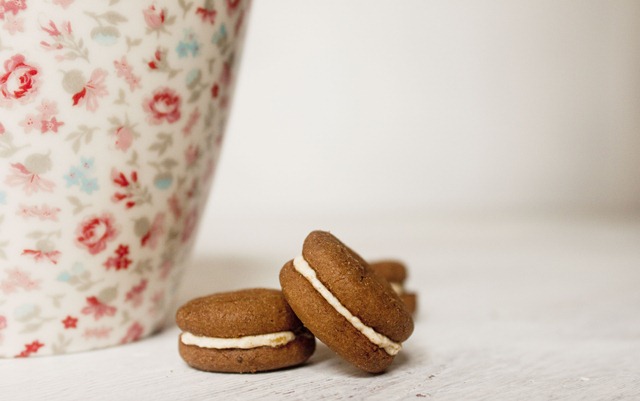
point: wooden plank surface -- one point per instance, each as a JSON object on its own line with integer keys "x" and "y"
{"x": 510, "y": 308}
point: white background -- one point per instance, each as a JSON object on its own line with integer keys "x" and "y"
{"x": 425, "y": 107}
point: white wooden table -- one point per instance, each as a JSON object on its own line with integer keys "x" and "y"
{"x": 511, "y": 308}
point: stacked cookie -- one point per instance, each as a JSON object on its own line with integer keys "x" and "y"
{"x": 328, "y": 291}
{"x": 396, "y": 273}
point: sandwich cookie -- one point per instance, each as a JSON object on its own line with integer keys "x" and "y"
{"x": 395, "y": 273}
{"x": 242, "y": 331}
{"x": 343, "y": 303}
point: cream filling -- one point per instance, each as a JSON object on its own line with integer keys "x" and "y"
{"x": 382, "y": 341}
{"x": 397, "y": 287}
{"x": 263, "y": 340}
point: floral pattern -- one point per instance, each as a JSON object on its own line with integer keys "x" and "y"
{"x": 111, "y": 122}
{"x": 20, "y": 81}
{"x": 162, "y": 106}
{"x": 95, "y": 231}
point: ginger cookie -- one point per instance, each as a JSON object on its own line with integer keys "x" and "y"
{"x": 344, "y": 304}
{"x": 242, "y": 331}
{"x": 395, "y": 272}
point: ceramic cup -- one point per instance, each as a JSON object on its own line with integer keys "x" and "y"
{"x": 112, "y": 114}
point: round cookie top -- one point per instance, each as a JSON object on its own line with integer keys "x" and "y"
{"x": 364, "y": 293}
{"x": 237, "y": 314}
{"x": 392, "y": 270}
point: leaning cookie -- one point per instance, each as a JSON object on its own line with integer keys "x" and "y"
{"x": 242, "y": 331}
{"x": 343, "y": 303}
{"x": 395, "y": 273}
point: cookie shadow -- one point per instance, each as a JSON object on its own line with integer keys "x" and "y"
{"x": 326, "y": 359}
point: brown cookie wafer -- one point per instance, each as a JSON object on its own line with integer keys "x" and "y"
{"x": 343, "y": 303}
{"x": 242, "y": 331}
{"x": 395, "y": 272}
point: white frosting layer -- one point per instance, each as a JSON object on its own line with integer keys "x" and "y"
{"x": 382, "y": 341}
{"x": 264, "y": 340}
{"x": 397, "y": 287}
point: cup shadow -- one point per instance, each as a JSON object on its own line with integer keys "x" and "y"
{"x": 208, "y": 274}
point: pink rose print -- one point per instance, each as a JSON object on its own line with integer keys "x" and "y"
{"x": 163, "y": 106}
{"x": 124, "y": 138}
{"x": 95, "y": 231}
{"x": 120, "y": 261}
{"x": 95, "y": 88}
{"x": 18, "y": 279}
{"x": 13, "y": 6}
{"x": 154, "y": 17}
{"x": 133, "y": 334}
{"x": 19, "y": 81}
{"x": 98, "y": 309}
{"x": 30, "y": 349}
{"x": 2, "y": 129}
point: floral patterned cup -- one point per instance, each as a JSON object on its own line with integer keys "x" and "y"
{"x": 112, "y": 114}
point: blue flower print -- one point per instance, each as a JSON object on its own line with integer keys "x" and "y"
{"x": 182, "y": 49}
{"x": 188, "y": 45}
{"x": 89, "y": 185}
{"x": 219, "y": 36}
{"x": 81, "y": 176}
{"x": 74, "y": 176}
{"x": 86, "y": 164}
{"x": 64, "y": 277}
